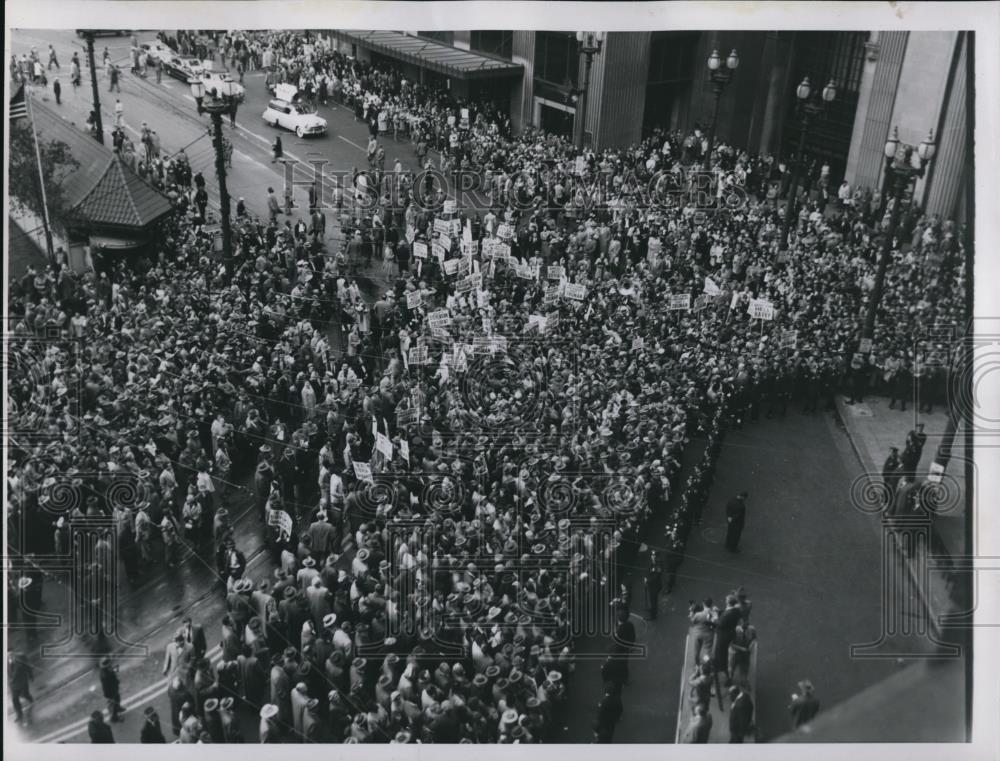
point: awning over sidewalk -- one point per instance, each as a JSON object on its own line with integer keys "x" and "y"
{"x": 431, "y": 54}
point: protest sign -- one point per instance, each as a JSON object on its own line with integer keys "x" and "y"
{"x": 865, "y": 347}
{"x": 407, "y": 416}
{"x": 711, "y": 288}
{"x": 439, "y": 319}
{"x": 699, "y": 302}
{"x": 789, "y": 338}
{"x": 505, "y": 231}
{"x": 441, "y": 226}
{"x": 418, "y": 355}
{"x": 414, "y": 299}
{"x": 404, "y": 450}
{"x": 281, "y": 519}
{"x": 679, "y": 301}
{"x": 419, "y": 250}
{"x": 575, "y": 292}
{"x": 554, "y": 272}
{"x": 451, "y": 267}
{"x": 760, "y": 309}
{"x": 449, "y": 207}
{"x": 383, "y": 445}
{"x": 439, "y": 250}
{"x": 363, "y": 472}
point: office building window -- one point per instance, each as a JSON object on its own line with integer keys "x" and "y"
{"x": 493, "y": 41}
{"x": 556, "y": 58}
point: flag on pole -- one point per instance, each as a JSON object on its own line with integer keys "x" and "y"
{"x": 18, "y": 105}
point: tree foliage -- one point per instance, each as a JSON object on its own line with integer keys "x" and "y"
{"x": 57, "y": 163}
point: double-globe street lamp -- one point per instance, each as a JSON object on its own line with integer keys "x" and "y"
{"x": 719, "y": 76}
{"x": 904, "y": 165}
{"x": 589, "y": 44}
{"x": 216, "y": 102}
{"x": 809, "y": 105}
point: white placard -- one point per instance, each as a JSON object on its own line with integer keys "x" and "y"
{"x": 363, "y": 472}
{"x": 449, "y": 206}
{"x": 679, "y": 301}
{"x": 420, "y": 250}
{"x": 384, "y": 446}
{"x": 414, "y": 299}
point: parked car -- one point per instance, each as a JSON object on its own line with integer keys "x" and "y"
{"x": 181, "y": 67}
{"x": 157, "y": 51}
{"x": 301, "y": 118}
{"x": 213, "y": 77}
{"x": 103, "y": 32}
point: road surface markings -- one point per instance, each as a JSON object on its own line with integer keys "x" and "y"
{"x": 348, "y": 140}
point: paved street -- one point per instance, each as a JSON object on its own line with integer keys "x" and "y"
{"x": 810, "y": 562}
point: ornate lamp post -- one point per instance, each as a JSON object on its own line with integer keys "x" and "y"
{"x": 590, "y": 44}
{"x": 720, "y": 76}
{"x": 88, "y": 35}
{"x": 904, "y": 164}
{"x": 809, "y": 105}
{"x": 217, "y": 103}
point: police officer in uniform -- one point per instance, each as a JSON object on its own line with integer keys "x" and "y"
{"x": 654, "y": 583}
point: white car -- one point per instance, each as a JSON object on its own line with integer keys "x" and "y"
{"x": 301, "y": 118}
{"x": 213, "y": 78}
{"x": 157, "y": 51}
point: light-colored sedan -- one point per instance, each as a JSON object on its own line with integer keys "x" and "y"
{"x": 213, "y": 79}
{"x": 300, "y": 118}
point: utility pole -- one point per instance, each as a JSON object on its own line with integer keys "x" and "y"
{"x": 220, "y": 170}
{"x": 98, "y": 125}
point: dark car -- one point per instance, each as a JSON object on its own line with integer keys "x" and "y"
{"x": 181, "y": 67}
{"x": 102, "y": 32}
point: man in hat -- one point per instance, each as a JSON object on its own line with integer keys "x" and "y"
{"x": 151, "y": 731}
{"x": 269, "y": 730}
{"x": 891, "y": 473}
{"x": 111, "y": 688}
{"x": 804, "y": 705}
{"x": 736, "y": 511}
{"x": 19, "y": 676}
{"x": 654, "y": 583}
{"x": 700, "y": 728}
{"x": 179, "y": 657}
{"x": 98, "y": 730}
{"x": 231, "y": 733}
{"x": 194, "y": 635}
{"x": 740, "y": 714}
{"x": 609, "y": 711}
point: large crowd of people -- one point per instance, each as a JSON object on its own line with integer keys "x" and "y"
{"x": 445, "y": 476}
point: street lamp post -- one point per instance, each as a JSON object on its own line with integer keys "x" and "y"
{"x": 216, "y": 104}
{"x": 98, "y": 124}
{"x": 590, "y": 44}
{"x": 901, "y": 169}
{"x": 720, "y": 76}
{"x": 809, "y": 106}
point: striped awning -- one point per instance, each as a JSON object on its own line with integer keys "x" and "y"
{"x": 431, "y": 54}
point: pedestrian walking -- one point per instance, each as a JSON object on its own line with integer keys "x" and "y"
{"x": 19, "y": 676}
{"x": 736, "y": 512}
{"x": 119, "y": 114}
{"x": 113, "y": 76}
{"x": 654, "y": 584}
{"x": 111, "y": 688}
{"x": 804, "y": 705}
{"x": 151, "y": 731}
{"x": 273, "y": 207}
{"x": 98, "y": 730}
{"x": 276, "y": 150}
{"x": 609, "y": 711}
{"x": 57, "y": 90}
{"x": 53, "y": 59}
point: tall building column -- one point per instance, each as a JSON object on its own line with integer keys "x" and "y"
{"x": 943, "y": 186}
{"x": 522, "y": 93}
{"x": 876, "y": 100}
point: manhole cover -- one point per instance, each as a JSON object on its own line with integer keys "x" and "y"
{"x": 712, "y": 535}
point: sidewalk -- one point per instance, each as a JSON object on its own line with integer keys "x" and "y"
{"x": 873, "y": 429}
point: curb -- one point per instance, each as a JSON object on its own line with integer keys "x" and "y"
{"x": 926, "y": 596}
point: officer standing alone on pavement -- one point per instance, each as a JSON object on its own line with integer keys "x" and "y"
{"x": 654, "y": 584}
{"x": 736, "y": 512}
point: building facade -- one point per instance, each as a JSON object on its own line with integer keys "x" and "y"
{"x": 641, "y": 81}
